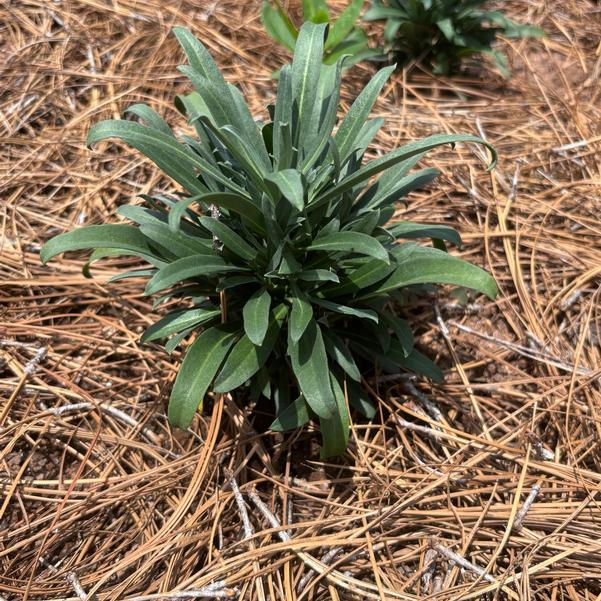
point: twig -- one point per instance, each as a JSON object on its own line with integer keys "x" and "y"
{"x": 461, "y": 561}
{"x": 430, "y": 564}
{"x": 32, "y": 364}
{"x": 273, "y": 521}
{"x": 526, "y": 352}
{"x": 430, "y": 406}
{"x": 116, "y": 413}
{"x": 242, "y": 510}
{"x": 70, "y": 577}
{"x": 519, "y": 518}
{"x": 215, "y": 590}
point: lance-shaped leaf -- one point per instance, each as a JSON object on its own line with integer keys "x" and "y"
{"x": 310, "y": 366}
{"x": 119, "y": 236}
{"x": 296, "y": 415}
{"x": 177, "y": 321}
{"x": 335, "y": 429}
{"x": 246, "y": 358}
{"x": 424, "y": 265}
{"x": 301, "y": 314}
{"x": 196, "y": 373}
{"x": 353, "y": 242}
{"x": 290, "y": 184}
{"x": 256, "y": 316}
{"x": 186, "y": 268}
{"x": 229, "y": 238}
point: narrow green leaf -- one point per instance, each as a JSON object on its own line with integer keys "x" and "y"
{"x": 335, "y": 429}
{"x": 178, "y": 243}
{"x": 296, "y": 415}
{"x": 337, "y": 349}
{"x": 256, "y": 316}
{"x": 240, "y": 205}
{"x": 362, "y": 277}
{"x": 396, "y": 156}
{"x": 120, "y": 236}
{"x": 345, "y": 310}
{"x": 202, "y": 360}
{"x": 246, "y": 358}
{"x": 410, "y": 231}
{"x": 290, "y": 184}
{"x": 177, "y": 321}
{"x": 151, "y": 117}
{"x": 423, "y": 265}
{"x": 278, "y": 24}
{"x": 306, "y": 70}
{"x": 344, "y": 24}
{"x": 301, "y": 314}
{"x": 353, "y": 242}
{"x": 356, "y": 117}
{"x": 175, "y": 159}
{"x": 230, "y": 239}
{"x": 310, "y": 366}
{"x": 186, "y": 268}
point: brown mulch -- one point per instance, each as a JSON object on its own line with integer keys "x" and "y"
{"x": 102, "y": 499}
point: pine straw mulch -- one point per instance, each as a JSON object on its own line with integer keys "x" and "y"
{"x": 498, "y": 467}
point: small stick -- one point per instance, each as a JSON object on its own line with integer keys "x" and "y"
{"x": 526, "y": 352}
{"x": 461, "y": 561}
{"x": 215, "y": 590}
{"x": 519, "y": 519}
{"x": 246, "y": 525}
{"x": 430, "y": 564}
{"x": 430, "y": 407}
{"x": 32, "y": 364}
{"x": 70, "y": 577}
{"x": 273, "y": 521}
{"x": 116, "y": 413}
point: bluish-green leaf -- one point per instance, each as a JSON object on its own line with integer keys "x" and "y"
{"x": 345, "y": 310}
{"x": 119, "y": 236}
{"x": 410, "y": 230}
{"x": 336, "y": 348}
{"x": 186, "y": 268}
{"x": 230, "y": 239}
{"x": 278, "y": 24}
{"x": 256, "y": 316}
{"x": 300, "y": 315}
{"x": 246, "y": 358}
{"x": 196, "y": 373}
{"x": 177, "y": 321}
{"x": 290, "y": 184}
{"x": 335, "y": 429}
{"x": 352, "y": 242}
{"x": 310, "y": 366}
{"x": 296, "y": 415}
{"x": 356, "y": 117}
{"x": 344, "y": 24}
{"x": 424, "y": 265}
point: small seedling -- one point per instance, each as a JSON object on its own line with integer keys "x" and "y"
{"x": 440, "y": 34}
{"x": 343, "y": 37}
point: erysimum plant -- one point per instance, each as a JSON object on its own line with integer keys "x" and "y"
{"x": 441, "y": 33}
{"x": 343, "y": 38}
{"x": 279, "y": 250}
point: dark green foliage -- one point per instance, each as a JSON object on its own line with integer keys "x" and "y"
{"x": 441, "y": 33}
{"x": 279, "y": 249}
{"x": 344, "y": 37}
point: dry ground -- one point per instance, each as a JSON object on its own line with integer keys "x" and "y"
{"x": 99, "y": 493}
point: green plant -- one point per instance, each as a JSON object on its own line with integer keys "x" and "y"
{"x": 343, "y": 37}
{"x": 441, "y": 33}
{"x": 290, "y": 270}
